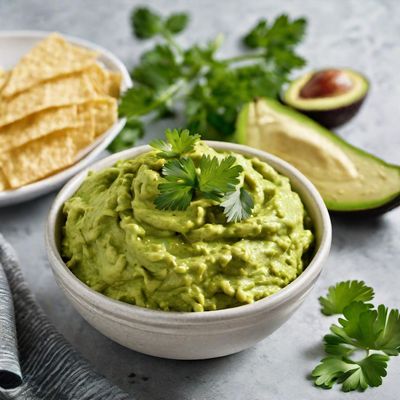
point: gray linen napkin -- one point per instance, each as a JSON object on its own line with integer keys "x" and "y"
{"x": 48, "y": 367}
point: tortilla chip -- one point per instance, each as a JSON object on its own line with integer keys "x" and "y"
{"x": 4, "y": 75}
{"x": 98, "y": 77}
{"x": 105, "y": 114}
{"x": 74, "y": 89}
{"x": 42, "y": 157}
{"x": 114, "y": 84}
{"x": 37, "y": 125}
{"x": 3, "y": 181}
{"x": 104, "y": 81}
{"x": 38, "y": 158}
{"x": 50, "y": 58}
{"x": 86, "y": 128}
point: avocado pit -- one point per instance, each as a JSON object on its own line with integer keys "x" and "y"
{"x": 326, "y": 83}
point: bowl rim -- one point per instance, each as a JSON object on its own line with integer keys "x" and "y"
{"x": 132, "y": 312}
{"x": 42, "y": 186}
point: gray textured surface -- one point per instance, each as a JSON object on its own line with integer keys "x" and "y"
{"x": 360, "y": 34}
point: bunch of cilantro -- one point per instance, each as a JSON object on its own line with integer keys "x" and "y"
{"x": 208, "y": 89}
{"x": 358, "y": 347}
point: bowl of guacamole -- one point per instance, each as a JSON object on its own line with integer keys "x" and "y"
{"x": 191, "y": 253}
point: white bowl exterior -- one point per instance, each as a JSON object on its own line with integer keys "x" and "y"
{"x": 14, "y": 44}
{"x": 191, "y": 335}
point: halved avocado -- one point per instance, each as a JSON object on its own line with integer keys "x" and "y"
{"x": 348, "y": 178}
{"x": 332, "y": 96}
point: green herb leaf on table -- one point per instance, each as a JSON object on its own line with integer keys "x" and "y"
{"x": 336, "y": 346}
{"x": 158, "y": 68}
{"x": 362, "y": 328}
{"x": 343, "y": 294}
{"x": 136, "y": 101}
{"x": 177, "y": 144}
{"x": 354, "y": 375}
{"x": 366, "y": 328}
{"x": 146, "y": 23}
{"x": 283, "y": 33}
{"x": 176, "y": 23}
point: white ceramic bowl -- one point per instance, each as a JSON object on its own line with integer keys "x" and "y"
{"x": 13, "y": 45}
{"x": 190, "y": 335}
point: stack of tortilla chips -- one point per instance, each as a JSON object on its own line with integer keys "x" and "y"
{"x": 55, "y": 102}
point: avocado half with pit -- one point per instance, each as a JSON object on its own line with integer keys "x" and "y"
{"x": 331, "y": 96}
{"x": 348, "y": 178}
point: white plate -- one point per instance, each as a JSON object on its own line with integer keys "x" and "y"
{"x": 13, "y": 45}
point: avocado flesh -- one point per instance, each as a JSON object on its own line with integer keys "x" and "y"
{"x": 348, "y": 178}
{"x": 331, "y": 111}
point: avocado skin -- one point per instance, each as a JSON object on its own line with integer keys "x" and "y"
{"x": 335, "y": 117}
{"x": 369, "y": 212}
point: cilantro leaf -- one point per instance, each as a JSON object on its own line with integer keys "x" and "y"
{"x": 158, "y": 68}
{"x": 218, "y": 177}
{"x": 132, "y": 131}
{"x": 237, "y": 205}
{"x": 370, "y": 329}
{"x": 199, "y": 57}
{"x": 145, "y": 23}
{"x": 177, "y": 192}
{"x": 182, "y": 170}
{"x": 256, "y": 38}
{"x": 343, "y": 294}
{"x": 136, "y": 101}
{"x": 283, "y": 33}
{"x": 330, "y": 370}
{"x": 337, "y": 346}
{"x": 389, "y": 336}
{"x": 178, "y": 143}
{"x": 286, "y": 60}
{"x": 369, "y": 372}
{"x": 181, "y": 142}
{"x": 278, "y": 41}
{"x": 353, "y": 375}
{"x": 176, "y": 23}
{"x": 174, "y": 196}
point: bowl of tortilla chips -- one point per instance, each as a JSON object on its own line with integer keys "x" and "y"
{"x": 58, "y": 109}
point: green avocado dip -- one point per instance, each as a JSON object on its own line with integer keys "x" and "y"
{"x": 117, "y": 242}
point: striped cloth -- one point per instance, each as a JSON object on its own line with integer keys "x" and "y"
{"x": 48, "y": 367}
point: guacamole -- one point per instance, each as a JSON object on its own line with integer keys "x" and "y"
{"x": 118, "y": 243}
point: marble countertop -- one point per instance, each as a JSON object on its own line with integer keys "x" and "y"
{"x": 363, "y": 35}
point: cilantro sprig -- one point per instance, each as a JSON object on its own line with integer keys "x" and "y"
{"x": 343, "y": 294}
{"x": 195, "y": 81}
{"x": 362, "y": 328}
{"x": 214, "y": 178}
